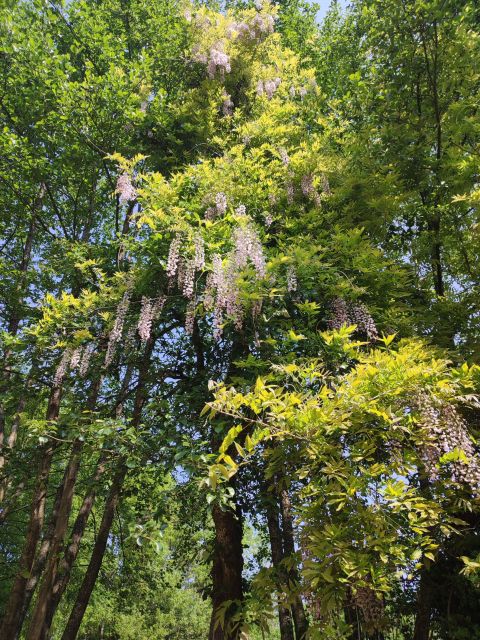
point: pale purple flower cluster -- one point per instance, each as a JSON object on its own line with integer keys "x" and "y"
{"x": 248, "y": 247}
{"x": 199, "y": 244}
{"x": 446, "y": 431}
{"x": 285, "y": 158}
{"x": 85, "y": 360}
{"x": 62, "y": 367}
{"x": 290, "y": 192}
{"x": 145, "y": 320}
{"x": 268, "y": 87}
{"x": 343, "y": 313}
{"x": 241, "y": 210}
{"x": 75, "y": 359}
{"x": 268, "y": 220}
{"x": 221, "y": 291}
{"x": 125, "y": 188}
{"x": 116, "y": 332}
{"x": 173, "y": 256}
{"x": 263, "y": 24}
{"x": 149, "y": 311}
{"x": 221, "y": 203}
{"x": 219, "y": 61}
{"x": 307, "y": 185}
{"x": 339, "y": 315}
{"x": 189, "y": 279}
{"x": 292, "y": 282}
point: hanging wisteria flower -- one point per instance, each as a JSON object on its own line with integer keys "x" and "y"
{"x": 343, "y": 313}
{"x": 125, "y": 188}
{"x": 292, "y": 92}
{"x": 221, "y": 203}
{"x": 116, "y": 332}
{"x": 364, "y": 321}
{"x": 370, "y": 605}
{"x": 145, "y": 320}
{"x": 199, "y": 244}
{"x": 446, "y": 433}
{"x": 85, "y": 361}
{"x": 76, "y": 357}
{"x": 241, "y": 210}
{"x": 290, "y": 192}
{"x": 284, "y": 156}
{"x": 260, "y": 88}
{"x": 248, "y": 247}
{"x": 173, "y": 256}
{"x": 268, "y": 220}
{"x": 270, "y": 88}
{"x": 292, "y": 282}
{"x": 62, "y": 367}
{"x": 219, "y": 61}
{"x": 189, "y": 279}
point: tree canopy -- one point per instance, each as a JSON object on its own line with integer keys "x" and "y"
{"x": 239, "y": 320}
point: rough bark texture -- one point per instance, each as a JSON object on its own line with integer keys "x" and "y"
{"x": 227, "y": 569}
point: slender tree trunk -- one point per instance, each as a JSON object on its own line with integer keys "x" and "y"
{"x": 100, "y": 546}
{"x": 13, "y": 612}
{"x": 227, "y": 570}
{"x": 71, "y": 552}
{"x": 424, "y": 608}
{"x": 93, "y": 569}
{"x": 12, "y": 620}
{"x": 38, "y": 629}
{"x": 276, "y": 546}
{"x": 298, "y": 611}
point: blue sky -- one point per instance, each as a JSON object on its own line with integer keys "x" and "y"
{"x": 324, "y": 4}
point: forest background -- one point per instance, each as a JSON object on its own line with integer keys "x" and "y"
{"x": 239, "y": 314}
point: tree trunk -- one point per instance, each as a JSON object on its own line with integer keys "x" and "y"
{"x": 93, "y": 569}
{"x": 38, "y": 629}
{"x": 12, "y": 620}
{"x": 299, "y": 618}
{"x": 226, "y": 571}
{"x": 99, "y": 548}
{"x": 424, "y": 608}
{"x": 62, "y": 577}
{"x": 276, "y": 546}
{"x": 13, "y": 612}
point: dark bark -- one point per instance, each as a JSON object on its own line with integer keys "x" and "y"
{"x": 13, "y": 617}
{"x": 226, "y": 571}
{"x": 276, "y": 546}
{"x": 99, "y": 548}
{"x": 13, "y": 612}
{"x": 38, "y": 629}
{"x": 300, "y": 621}
{"x": 93, "y": 569}
{"x": 71, "y": 552}
{"x": 424, "y": 608}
